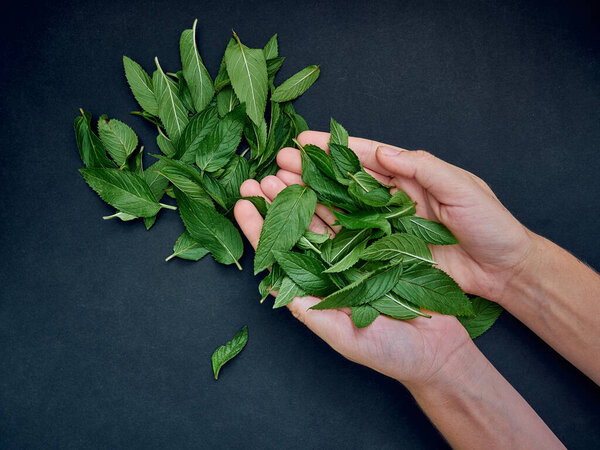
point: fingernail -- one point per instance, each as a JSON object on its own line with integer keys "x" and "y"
{"x": 388, "y": 151}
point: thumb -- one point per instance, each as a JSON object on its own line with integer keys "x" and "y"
{"x": 447, "y": 183}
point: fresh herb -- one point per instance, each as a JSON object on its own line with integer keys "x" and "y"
{"x": 230, "y": 350}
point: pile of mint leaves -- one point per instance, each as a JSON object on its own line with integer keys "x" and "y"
{"x": 215, "y": 134}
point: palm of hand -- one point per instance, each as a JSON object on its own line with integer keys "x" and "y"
{"x": 406, "y": 350}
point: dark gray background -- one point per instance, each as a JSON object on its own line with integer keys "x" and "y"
{"x": 103, "y": 344}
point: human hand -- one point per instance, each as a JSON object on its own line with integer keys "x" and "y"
{"x": 410, "y": 351}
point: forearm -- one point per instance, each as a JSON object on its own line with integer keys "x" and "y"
{"x": 558, "y": 297}
{"x": 473, "y": 406}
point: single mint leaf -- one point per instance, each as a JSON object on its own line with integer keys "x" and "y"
{"x": 184, "y": 92}
{"x": 171, "y": 110}
{"x": 165, "y": 144}
{"x": 296, "y": 85}
{"x": 338, "y": 135}
{"x": 431, "y": 232}
{"x": 366, "y": 189}
{"x": 363, "y": 315}
{"x": 123, "y": 190}
{"x": 222, "y": 78}
{"x": 271, "y": 282}
{"x": 343, "y": 243}
{"x": 306, "y": 272}
{"x": 187, "y": 248}
{"x": 396, "y": 307}
{"x": 196, "y": 76}
{"x": 287, "y": 292}
{"x": 271, "y": 49}
{"x": 321, "y": 159}
{"x": 433, "y": 289}
{"x": 226, "y": 101}
{"x": 287, "y": 219}
{"x": 211, "y": 230}
{"x": 229, "y": 351}
{"x": 182, "y": 178}
{"x": 91, "y": 149}
{"x": 247, "y": 69}
{"x": 198, "y": 128}
{"x": 485, "y": 314}
{"x": 349, "y": 260}
{"x": 344, "y": 159}
{"x": 363, "y": 219}
{"x": 256, "y": 136}
{"x": 408, "y": 247}
{"x": 156, "y": 182}
{"x": 273, "y": 66}
{"x": 141, "y": 86}
{"x": 367, "y": 288}
{"x": 118, "y": 138}
{"x": 220, "y": 145}
{"x": 236, "y": 172}
{"x": 317, "y": 238}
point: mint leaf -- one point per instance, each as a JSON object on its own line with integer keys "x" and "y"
{"x": 271, "y": 49}
{"x": 226, "y": 101}
{"x": 433, "y": 289}
{"x": 118, "y": 138}
{"x": 141, "y": 86}
{"x": 123, "y": 190}
{"x": 349, "y": 260}
{"x": 196, "y": 76}
{"x": 363, "y": 219}
{"x": 344, "y": 159}
{"x": 187, "y": 248}
{"x": 287, "y": 292}
{"x": 198, "y": 128}
{"x": 306, "y": 272}
{"x": 172, "y": 112}
{"x": 367, "y": 288}
{"x": 229, "y": 351}
{"x": 273, "y": 66}
{"x": 186, "y": 182}
{"x": 408, "y": 247}
{"x": 296, "y": 85}
{"x": 236, "y": 172}
{"x": 343, "y": 243}
{"x": 363, "y": 315}
{"x": 431, "y": 232}
{"x": 247, "y": 70}
{"x": 211, "y": 230}
{"x": 485, "y": 314}
{"x": 338, "y": 135}
{"x": 366, "y": 189}
{"x": 396, "y": 307}
{"x": 91, "y": 149}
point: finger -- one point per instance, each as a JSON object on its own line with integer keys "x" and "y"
{"x": 364, "y": 148}
{"x": 251, "y": 188}
{"x": 447, "y": 183}
{"x": 322, "y": 211}
{"x": 289, "y": 159}
{"x": 272, "y": 186}
{"x": 249, "y": 220}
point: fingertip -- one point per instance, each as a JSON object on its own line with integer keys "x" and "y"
{"x": 318, "y": 138}
{"x": 249, "y": 220}
{"x": 249, "y": 188}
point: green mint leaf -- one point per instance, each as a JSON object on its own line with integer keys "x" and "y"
{"x": 431, "y": 232}
{"x": 349, "y": 260}
{"x": 317, "y": 238}
{"x": 122, "y": 216}
{"x": 485, "y": 314}
{"x": 118, "y": 138}
{"x": 196, "y": 76}
{"x": 321, "y": 159}
{"x": 368, "y": 287}
{"x": 217, "y": 192}
{"x": 363, "y": 315}
{"x": 256, "y": 136}
{"x": 287, "y": 292}
{"x": 123, "y": 190}
{"x": 229, "y": 351}
{"x": 396, "y": 307}
{"x": 156, "y": 182}
{"x": 271, "y": 282}
{"x": 305, "y": 271}
{"x": 220, "y": 145}
{"x": 247, "y": 69}
{"x": 287, "y": 219}
{"x": 134, "y": 162}
{"x": 184, "y": 93}
{"x": 236, "y": 172}
{"x": 296, "y": 85}
{"x": 165, "y": 144}
{"x": 366, "y": 189}
{"x": 226, "y": 101}
{"x": 141, "y": 86}
{"x": 186, "y": 182}
{"x": 171, "y": 110}
{"x": 211, "y": 230}
{"x": 187, "y": 248}
{"x": 91, "y": 149}
{"x": 344, "y": 159}
{"x": 338, "y": 135}
{"x": 433, "y": 289}
{"x": 198, "y": 128}
{"x": 260, "y": 203}
{"x": 408, "y": 247}
{"x": 363, "y": 219}
{"x": 271, "y": 49}
{"x": 343, "y": 243}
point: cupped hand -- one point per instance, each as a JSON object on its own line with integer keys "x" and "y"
{"x": 413, "y": 352}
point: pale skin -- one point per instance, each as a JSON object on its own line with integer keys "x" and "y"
{"x": 545, "y": 287}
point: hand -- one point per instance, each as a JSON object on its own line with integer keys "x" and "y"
{"x": 411, "y": 351}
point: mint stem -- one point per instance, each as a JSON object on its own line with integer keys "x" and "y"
{"x": 171, "y": 207}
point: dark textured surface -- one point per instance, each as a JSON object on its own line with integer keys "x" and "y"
{"x": 104, "y": 345}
